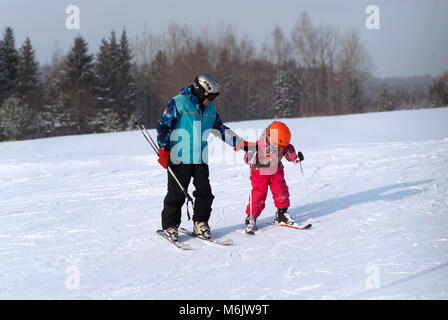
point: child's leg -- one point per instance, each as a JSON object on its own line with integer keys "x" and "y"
{"x": 279, "y": 189}
{"x": 260, "y": 184}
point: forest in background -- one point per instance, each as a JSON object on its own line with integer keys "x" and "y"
{"x": 310, "y": 71}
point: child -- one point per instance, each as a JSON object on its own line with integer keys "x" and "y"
{"x": 267, "y": 171}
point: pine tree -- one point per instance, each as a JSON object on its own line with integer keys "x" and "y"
{"x": 76, "y": 93}
{"x": 27, "y": 74}
{"x": 281, "y": 89}
{"x": 383, "y": 102}
{"x": 103, "y": 81}
{"x": 114, "y": 73}
{"x": 286, "y": 89}
{"x": 112, "y": 79}
{"x": 28, "y": 89}
{"x": 126, "y": 81}
{"x": 8, "y": 64}
{"x": 14, "y": 119}
{"x": 106, "y": 122}
{"x": 438, "y": 92}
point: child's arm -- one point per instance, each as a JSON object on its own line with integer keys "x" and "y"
{"x": 251, "y": 154}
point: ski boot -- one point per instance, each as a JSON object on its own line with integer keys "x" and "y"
{"x": 282, "y": 217}
{"x": 202, "y": 229}
{"x": 172, "y": 233}
{"x": 250, "y": 225}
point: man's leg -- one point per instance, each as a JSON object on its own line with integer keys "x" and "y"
{"x": 203, "y": 197}
{"x": 174, "y": 199}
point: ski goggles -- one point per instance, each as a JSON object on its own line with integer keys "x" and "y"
{"x": 212, "y": 96}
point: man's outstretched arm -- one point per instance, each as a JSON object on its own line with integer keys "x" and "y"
{"x": 226, "y": 134}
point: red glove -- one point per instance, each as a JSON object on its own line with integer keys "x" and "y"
{"x": 164, "y": 156}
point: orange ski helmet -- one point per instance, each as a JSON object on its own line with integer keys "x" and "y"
{"x": 278, "y": 135}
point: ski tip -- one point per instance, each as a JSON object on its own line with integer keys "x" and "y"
{"x": 180, "y": 245}
{"x": 299, "y": 227}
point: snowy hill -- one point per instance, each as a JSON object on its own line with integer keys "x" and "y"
{"x": 86, "y": 207}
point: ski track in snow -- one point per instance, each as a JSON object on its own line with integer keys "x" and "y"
{"x": 378, "y": 198}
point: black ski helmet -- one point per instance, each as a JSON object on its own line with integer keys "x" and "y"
{"x": 205, "y": 86}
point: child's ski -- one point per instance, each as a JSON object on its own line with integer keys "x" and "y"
{"x": 293, "y": 226}
{"x": 227, "y": 242}
{"x": 177, "y": 244}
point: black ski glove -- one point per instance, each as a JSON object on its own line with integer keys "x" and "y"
{"x": 300, "y": 156}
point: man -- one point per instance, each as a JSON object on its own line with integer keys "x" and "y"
{"x": 182, "y": 138}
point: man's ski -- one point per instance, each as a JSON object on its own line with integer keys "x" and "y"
{"x": 227, "y": 242}
{"x": 177, "y": 244}
{"x": 293, "y": 226}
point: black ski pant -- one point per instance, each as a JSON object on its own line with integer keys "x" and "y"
{"x": 174, "y": 199}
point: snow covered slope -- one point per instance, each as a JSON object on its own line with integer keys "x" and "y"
{"x": 78, "y": 215}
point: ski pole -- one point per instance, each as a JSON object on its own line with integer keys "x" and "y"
{"x": 153, "y": 145}
{"x": 250, "y": 196}
{"x": 306, "y": 190}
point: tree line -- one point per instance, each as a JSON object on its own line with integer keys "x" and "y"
{"x": 316, "y": 70}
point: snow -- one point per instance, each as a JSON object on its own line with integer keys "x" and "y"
{"x": 78, "y": 215}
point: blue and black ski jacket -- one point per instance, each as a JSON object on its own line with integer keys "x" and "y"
{"x": 184, "y": 112}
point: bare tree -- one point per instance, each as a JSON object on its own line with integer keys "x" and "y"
{"x": 353, "y": 65}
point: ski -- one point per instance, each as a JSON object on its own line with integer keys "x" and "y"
{"x": 178, "y": 244}
{"x": 227, "y": 242}
{"x": 293, "y": 226}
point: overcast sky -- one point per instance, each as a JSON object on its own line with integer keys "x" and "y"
{"x": 412, "y": 40}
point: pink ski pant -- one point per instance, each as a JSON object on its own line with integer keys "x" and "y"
{"x": 260, "y": 184}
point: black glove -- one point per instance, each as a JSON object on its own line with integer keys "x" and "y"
{"x": 300, "y": 156}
